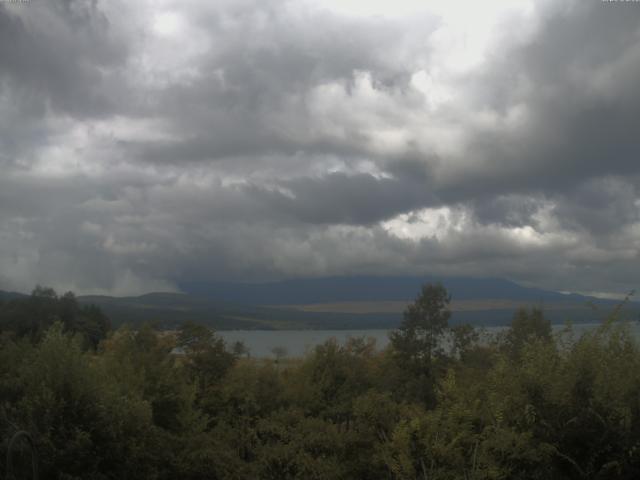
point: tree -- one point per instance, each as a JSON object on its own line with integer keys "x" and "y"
{"x": 464, "y": 337}
{"x": 527, "y": 325}
{"x": 83, "y": 424}
{"x": 279, "y": 352}
{"x": 239, "y": 349}
{"x": 425, "y": 321}
{"x": 418, "y": 343}
{"x": 31, "y": 316}
{"x": 207, "y": 357}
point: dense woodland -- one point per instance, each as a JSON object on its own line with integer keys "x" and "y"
{"x": 438, "y": 403}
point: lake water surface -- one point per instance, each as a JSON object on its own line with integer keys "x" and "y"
{"x": 298, "y": 342}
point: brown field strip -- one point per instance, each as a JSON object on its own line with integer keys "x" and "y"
{"x": 399, "y": 306}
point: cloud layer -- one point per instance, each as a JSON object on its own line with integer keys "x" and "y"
{"x": 147, "y": 143}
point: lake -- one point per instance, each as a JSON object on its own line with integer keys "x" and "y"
{"x": 298, "y": 342}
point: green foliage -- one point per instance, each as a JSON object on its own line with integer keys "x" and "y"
{"x": 74, "y": 412}
{"x": 526, "y": 326}
{"x": 464, "y": 339}
{"x": 30, "y": 317}
{"x": 417, "y": 344}
{"x": 206, "y": 357}
{"x": 160, "y": 405}
{"x": 425, "y": 321}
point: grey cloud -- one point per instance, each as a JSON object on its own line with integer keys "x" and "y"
{"x": 580, "y": 97}
{"x": 251, "y": 90}
{"x": 345, "y": 199}
{"x": 248, "y": 170}
{"x": 63, "y": 63}
{"x": 232, "y": 138}
{"x": 576, "y": 145}
{"x": 602, "y": 206}
{"x": 55, "y": 58}
{"x": 506, "y": 210}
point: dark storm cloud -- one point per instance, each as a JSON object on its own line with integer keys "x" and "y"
{"x": 57, "y": 52}
{"x": 601, "y": 206}
{"x": 55, "y": 58}
{"x": 251, "y": 92}
{"x": 510, "y": 210}
{"x": 344, "y": 199}
{"x": 576, "y": 146}
{"x": 576, "y": 82}
{"x": 227, "y": 140}
{"x": 255, "y": 140}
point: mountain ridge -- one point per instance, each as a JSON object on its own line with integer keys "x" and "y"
{"x": 356, "y": 302}
{"x": 362, "y": 288}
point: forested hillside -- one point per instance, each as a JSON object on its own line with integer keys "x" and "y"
{"x": 335, "y": 303}
{"x": 104, "y": 404}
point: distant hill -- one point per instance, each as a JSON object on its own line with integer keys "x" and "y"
{"x": 4, "y": 296}
{"x": 363, "y": 302}
{"x": 369, "y": 288}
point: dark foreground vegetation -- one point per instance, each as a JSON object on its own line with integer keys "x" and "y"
{"x": 439, "y": 403}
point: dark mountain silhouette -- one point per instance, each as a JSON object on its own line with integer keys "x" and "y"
{"x": 5, "y": 296}
{"x": 368, "y": 288}
{"x": 283, "y": 305}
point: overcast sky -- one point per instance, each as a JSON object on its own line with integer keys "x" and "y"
{"x": 146, "y": 143}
